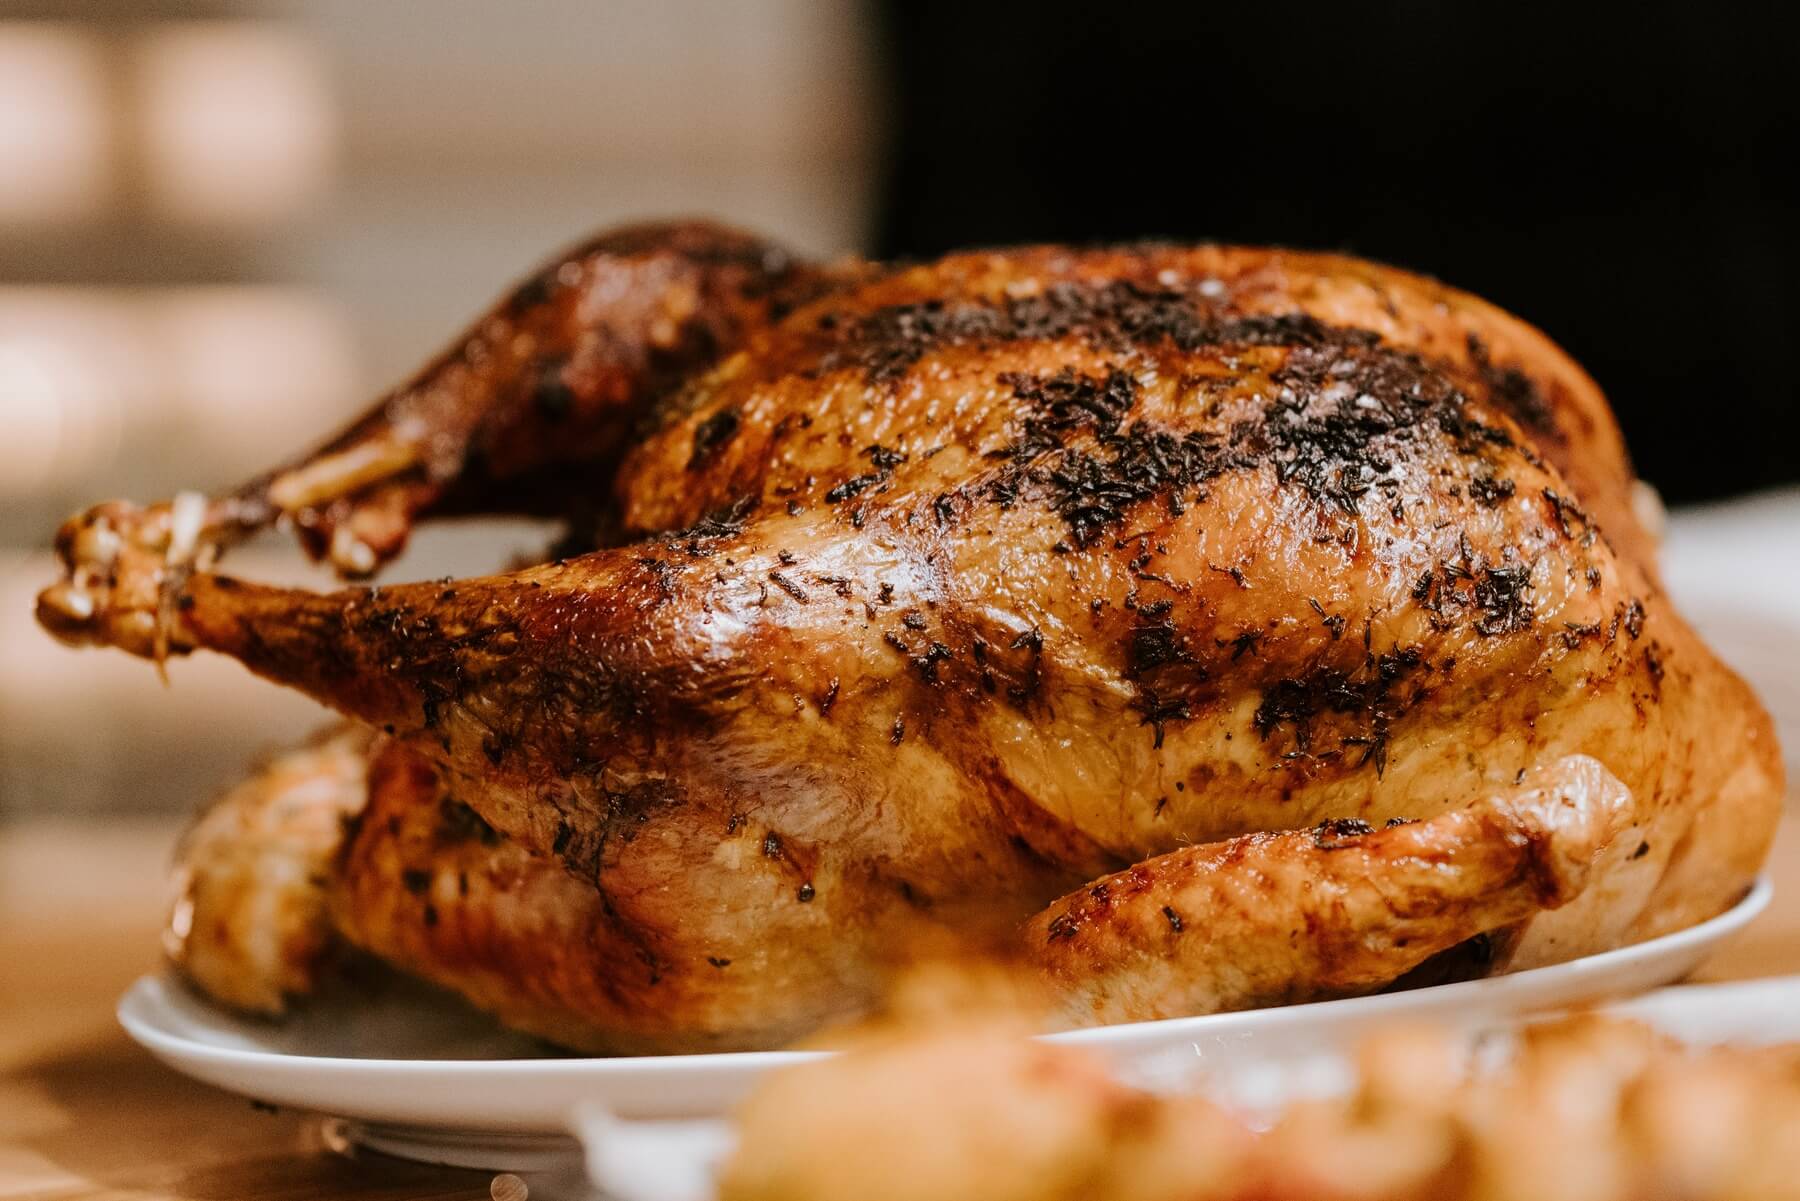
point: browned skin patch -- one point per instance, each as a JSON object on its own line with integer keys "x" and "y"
{"x": 427, "y": 885}
{"x": 973, "y": 579}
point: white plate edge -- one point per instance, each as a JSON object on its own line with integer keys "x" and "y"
{"x": 155, "y": 1039}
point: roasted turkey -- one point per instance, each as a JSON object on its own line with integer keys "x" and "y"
{"x": 1207, "y": 627}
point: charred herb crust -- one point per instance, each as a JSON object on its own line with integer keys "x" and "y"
{"x": 1116, "y": 315}
{"x": 1372, "y": 696}
{"x": 1514, "y": 392}
{"x": 1342, "y": 410}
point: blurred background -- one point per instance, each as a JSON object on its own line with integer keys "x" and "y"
{"x": 224, "y": 226}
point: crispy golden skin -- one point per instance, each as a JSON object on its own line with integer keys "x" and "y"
{"x": 945, "y": 589}
{"x": 427, "y": 885}
{"x": 249, "y": 922}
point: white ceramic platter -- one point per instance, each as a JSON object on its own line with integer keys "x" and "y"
{"x": 423, "y": 1078}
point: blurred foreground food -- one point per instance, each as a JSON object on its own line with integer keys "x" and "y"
{"x": 1586, "y": 1109}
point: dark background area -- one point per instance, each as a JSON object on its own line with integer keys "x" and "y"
{"x": 1622, "y": 177}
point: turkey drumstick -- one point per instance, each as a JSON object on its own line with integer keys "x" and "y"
{"x": 527, "y": 412}
{"x": 1275, "y": 919}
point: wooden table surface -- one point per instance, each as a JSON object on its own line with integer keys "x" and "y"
{"x": 85, "y": 1114}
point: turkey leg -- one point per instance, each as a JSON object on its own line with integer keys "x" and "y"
{"x": 539, "y": 397}
{"x": 1307, "y": 915}
{"x": 521, "y": 681}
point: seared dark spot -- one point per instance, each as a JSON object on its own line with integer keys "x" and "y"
{"x": 883, "y": 458}
{"x": 854, "y": 486}
{"x": 632, "y": 806}
{"x": 788, "y": 586}
{"x": 552, "y": 395}
{"x": 662, "y": 574}
{"x": 1576, "y": 632}
{"x": 1154, "y": 645}
{"x": 1500, "y": 595}
{"x": 1514, "y": 392}
{"x": 1334, "y": 834}
{"x": 1634, "y": 618}
{"x": 927, "y": 663}
{"x": 459, "y": 823}
{"x": 711, "y": 435}
{"x": 1489, "y": 490}
{"x": 1562, "y": 509}
{"x": 415, "y": 880}
{"x": 699, "y": 539}
{"x": 534, "y": 291}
